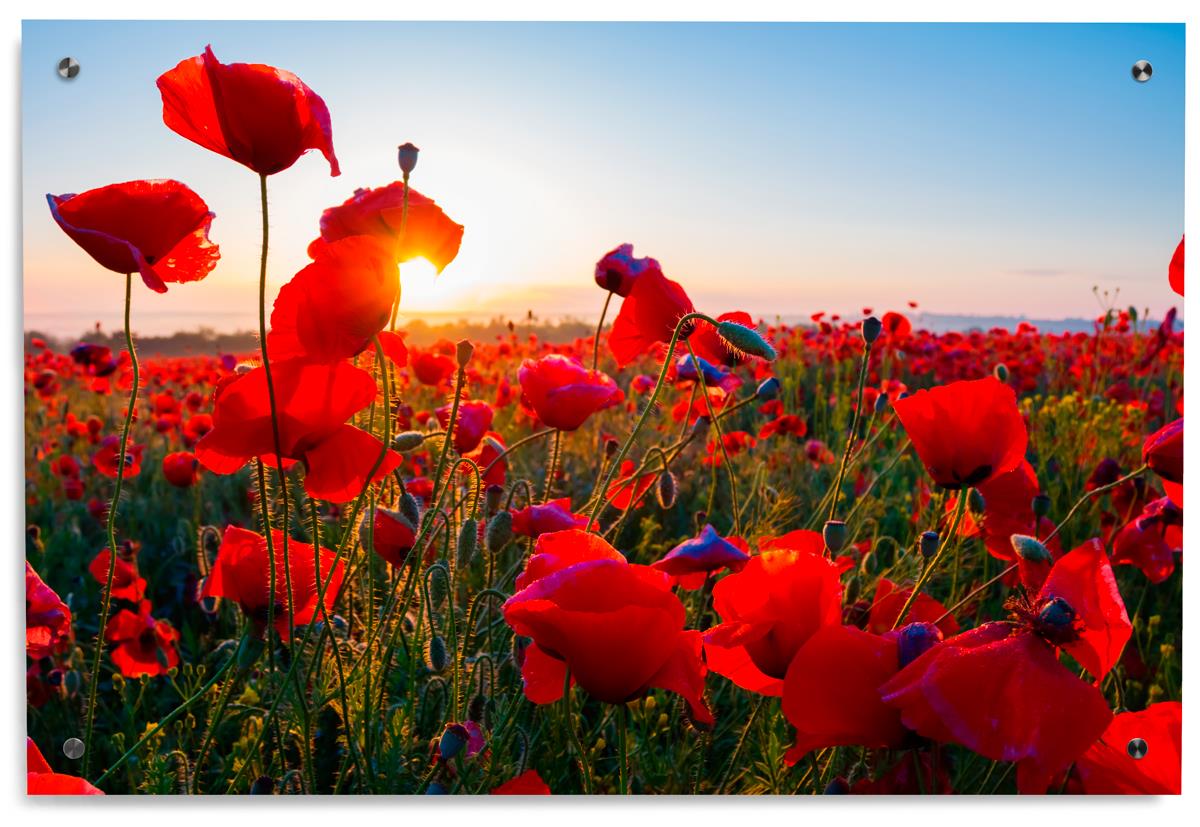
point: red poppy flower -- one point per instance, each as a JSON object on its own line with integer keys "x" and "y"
{"x": 428, "y": 232}
{"x": 1008, "y": 510}
{"x": 711, "y": 347}
{"x": 144, "y": 646}
{"x": 1175, "y": 269}
{"x": 768, "y": 611}
{"x": 617, "y": 627}
{"x": 313, "y": 402}
{"x": 242, "y": 574}
{"x": 527, "y": 783}
{"x": 105, "y": 459}
{"x": 831, "y": 691}
{"x": 432, "y": 368}
{"x": 393, "y": 536}
{"x": 487, "y": 455}
{"x": 47, "y": 618}
{"x": 158, "y": 229}
{"x": 127, "y": 584}
{"x": 1163, "y": 451}
{"x": 556, "y": 515}
{"x": 648, "y": 315}
{"x": 618, "y": 270}
{"x": 42, "y": 780}
{"x": 965, "y": 433}
{"x": 563, "y": 393}
{"x": 1152, "y": 540}
{"x": 889, "y": 601}
{"x": 181, "y": 468}
{"x": 693, "y": 560}
{"x": 788, "y": 424}
{"x": 627, "y": 491}
{"x": 474, "y": 420}
{"x": 262, "y": 117}
{"x": 332, "y": 308}
{"x": 896, "y": 326}
{"x": 197, "y": 426}
{"x": 1107, "y": 768}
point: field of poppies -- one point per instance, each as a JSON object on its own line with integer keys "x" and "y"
{"x": 693, "y": 554}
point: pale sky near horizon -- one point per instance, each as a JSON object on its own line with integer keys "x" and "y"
{"x": 994, "y": 169}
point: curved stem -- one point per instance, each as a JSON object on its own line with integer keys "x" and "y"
{"x": 111, "y": 525}
{"x": 600, "y": 327}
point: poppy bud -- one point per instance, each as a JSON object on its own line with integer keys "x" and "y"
{"x": 407, "y": 153}
{"x": 438, "y": 585}
{"x": 249, "y": 652}
{"x": 477, "y": 707}
{"x": 463, "y": 351}
{"x": 1030, "y": 548}
{"x": 454, "y": 738}
{"x": 915, "y": 640}
{"x": 408, "y": 440}
{"x": 881, "y": 403}
{"x": 610, "y": 448}
{"x": 839, "y": 785}
{"x": 71, "y": 681}
{"x": 435, "y": 788}
{"x": 519, "y": 646}
{"x": 499, "y": 531}
{"x": 665, "y": 490}
{"x": 492, "y": 496}
{"x": 436, "y": 654}
{"x": 1041, "y": 505}
{"x": 409, "y": 508}
{"x": 835, "y": 535}
{"x": 700, "y": 426}
{"x": 976, "y": 503}
{"x": 929, "y": 544}
{"x": 468, "y": 541}
{"x": 1001, "y": 371}
{"x": 263, "y": 785}
{"x": 745, "y": 339}
{"x": 871, "y": 328}
{"x": 768, "y": 388}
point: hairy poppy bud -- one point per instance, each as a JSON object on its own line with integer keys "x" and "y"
{"x": 468, "y": 541}
{"x": 407, "y": 153}
{"x": 410, "y": 508}
{"x": 768, "y": 388}
{"x": 838, "y": 786}
{"x": 499, "y": 531}
{"x": 835, "y": 535}
{"x": 929, "y": 544}
{"x": 463, "y": 352}
{"x": 1001, "y": 371}
{"x": 1041, "y": 505}
{"x": 1030, "y": 548}
{"x": 745, "y": 339}
{"x": 881, "y": 403}
{"x": 454, "y": 738}
{"x": 976, "y": 503}
{"x": 71, "y": 681}
{"x": 408, "y": 440}
{"x": 664, "y": 492}
{"x": 915, "y": 640}
{"x": 436, "y": 654}
{"x": 263, "y": 785}
{"x": 871, "y": 328}
{"x": 492, "y": 496}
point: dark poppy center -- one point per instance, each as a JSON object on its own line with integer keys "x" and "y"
{"x": 1056, "y": 621}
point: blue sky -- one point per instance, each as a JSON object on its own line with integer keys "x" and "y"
{"x": 776, "y": 168}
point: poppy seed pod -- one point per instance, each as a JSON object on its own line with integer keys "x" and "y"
{"x": 976, "y": 503}
{"x": 407, "y": 156}
{"x": 929, "y": 544}
{"x": 834, "y": 535}
{"x": 1041, "y": 505}
{"x": 408, "y": 440}
{"x": 499, "y": 532}
{"x": 463, "y": 352}
{"x": 1030, "y": 548}
{"x": 871, "y": 328}
{"x": 915, "y": 640}
{"x": 768, "y": 388}
{"x": 1001, "y": 372}
{"x": 745, "y": 339}
{"x": 664, "y": 492}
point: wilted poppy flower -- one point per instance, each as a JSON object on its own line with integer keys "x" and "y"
{"x": 332, "y": 308}
{"x": 618, "y": 270}
{"x": 1108, "y": 768}
{"x": 313, "y": 402}
{"x": 262, "y": 117}
{"x": 563, "y": 393}
{"x": 181, "y": 468}
{"x": 47, "y": 618}
{"x": 768, "y": 611}
{"x": 144, "y": 646}
{"x": 965, "y": 433}
{"x": 241, "y": 573}
{"x": 527, "y": 783}
{"x": 693, "y": 560}
{"x": 157, "y": 229}
{"x": 556, "y": 515}
{"x": 474, "y": 420}
{"x": 1175, "y": 269}
{"x": 1163, "y": 451}
{"x": 648, "y": 316}
{"x": 105, "y": 459}
{"x": 127, "y": 584}
{"x": 42, "y": 780}
{"x": 428, "y": 232}
{"x": 617, "y": 627}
